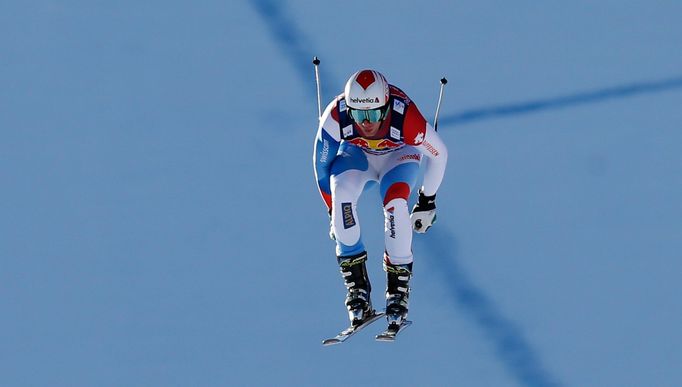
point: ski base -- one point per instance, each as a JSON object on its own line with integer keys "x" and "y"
{"x": 391, "y": 332}
{"x": 351, "y": 330}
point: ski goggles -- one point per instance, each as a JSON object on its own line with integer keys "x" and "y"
{"x": 371, "y": 115}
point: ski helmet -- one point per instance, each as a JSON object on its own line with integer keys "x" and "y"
{"x": 366, "y": 89}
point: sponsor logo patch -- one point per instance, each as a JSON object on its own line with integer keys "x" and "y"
{"x": 420, "y": 137}
{"x": 431, "y": 148}
{"x": 325, "y": 151}
{"x": 380, "y": 144}
{"x": 348, "y": 218}
{"x": 391, "y": 222}
{"x": 398, "y": 106}
{"x": 347, "y": 131}
{"x": 365, "y": 100}
{"x": 395, "y": 133}
{"x": 416, "y": 157}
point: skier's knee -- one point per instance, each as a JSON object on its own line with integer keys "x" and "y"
{"x": 398, "y": 190}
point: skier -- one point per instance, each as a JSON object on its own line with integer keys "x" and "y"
{"x": 373, "y": 132}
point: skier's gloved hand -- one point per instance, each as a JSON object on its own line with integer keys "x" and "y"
{"x": 331, "y": 226}
{"x": 424, "y": 213}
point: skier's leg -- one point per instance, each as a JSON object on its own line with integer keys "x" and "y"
{"x": 397, "y": 290}
{"x": 350, "y": 173}
{"x": 346, "y": 189}
{"x": 395, "y": 186}
{"x": 358, "y": 300}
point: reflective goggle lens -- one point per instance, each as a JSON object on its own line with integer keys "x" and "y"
{"x": 372, "y": 115}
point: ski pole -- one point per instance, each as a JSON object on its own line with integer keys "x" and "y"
{"x": 316, "y": 63}
{"x": 443, "y": 81}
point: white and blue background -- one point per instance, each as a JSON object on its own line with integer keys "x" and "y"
{"x": 160, "y": 224}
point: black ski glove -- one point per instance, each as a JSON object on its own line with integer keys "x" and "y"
{"x": 424, "y": 213}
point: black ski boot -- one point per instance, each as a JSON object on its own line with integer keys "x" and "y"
{"x": 397, "y": 292}
{"x": 358, "y": 299}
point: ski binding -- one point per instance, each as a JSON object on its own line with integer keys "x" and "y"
{"x": 392, "y": 331}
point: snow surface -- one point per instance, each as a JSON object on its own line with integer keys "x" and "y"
{"x": 160, "y": 224}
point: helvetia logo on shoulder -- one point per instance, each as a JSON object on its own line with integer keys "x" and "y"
{"x": 365, "y": 100}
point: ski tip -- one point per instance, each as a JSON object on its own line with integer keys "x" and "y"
{"x": 385, "y": 338}
{"x": 328, "y": 342}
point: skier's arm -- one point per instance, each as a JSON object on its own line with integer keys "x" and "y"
{"x": 420, "y": 134}
{"x": 326, "y": 145}
{"x": 436, "y": 160}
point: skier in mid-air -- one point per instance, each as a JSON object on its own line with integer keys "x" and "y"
{"x": 373, "y": 132}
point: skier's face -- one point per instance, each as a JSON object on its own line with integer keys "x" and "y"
{"x": 369, "y": 129}
{"x": 369, "y": 121}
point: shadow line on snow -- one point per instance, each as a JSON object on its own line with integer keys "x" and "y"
{"x": 511, "y": 347}
{"x": 296, "y": 47}
{"x": 293, "y": 44}
{"x": 570, "y": 100}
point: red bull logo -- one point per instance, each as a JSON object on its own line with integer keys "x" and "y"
{"x": 361, "y": 142}
{"x": 381, "y": 144}
{"x": 386, "y": 143}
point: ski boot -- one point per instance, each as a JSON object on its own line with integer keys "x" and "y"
{"x": 397, "y": 292}
{"x": 358, "y": 300}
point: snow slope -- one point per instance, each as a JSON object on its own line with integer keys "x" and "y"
{"x": 161, "y": 227}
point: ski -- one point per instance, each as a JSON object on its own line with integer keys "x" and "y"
{"x": 351, "y": 330}
{"x": 392, "y": 331}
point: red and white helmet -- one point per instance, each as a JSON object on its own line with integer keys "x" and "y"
{"x": 366, "y": 89}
